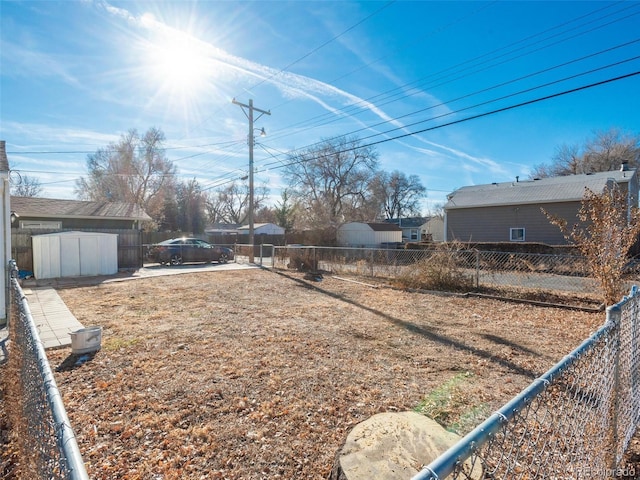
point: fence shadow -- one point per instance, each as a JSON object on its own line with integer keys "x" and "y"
{"x": 422, "y": 331}
{"x": 74, "y": 361}
{"x": 4, "y": 352}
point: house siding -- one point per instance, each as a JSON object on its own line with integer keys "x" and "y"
{"x": 83, "y": 223}
{"x": 487, "y": 213}
{"x": 493, "y": 224}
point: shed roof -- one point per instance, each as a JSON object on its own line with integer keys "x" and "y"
{"x": 57, "y": 208}
{"x": 546, "y": 190}
{"x": 384, "y": 227}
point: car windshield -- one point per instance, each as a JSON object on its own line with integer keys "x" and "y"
{"x": 195, "y": 242}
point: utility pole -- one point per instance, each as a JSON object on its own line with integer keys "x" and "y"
{"x": 248, "y": 111}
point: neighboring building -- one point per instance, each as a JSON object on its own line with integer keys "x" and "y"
{"x": 223, "y": 229}
{"x": 237, "y": 229}
{"x": 410, "y": 226}
{"x": 31, "y": 216}
{"x": 419, "y": 229}
{"x": 55, "y": 214}
{"x": 357, "y": 234}
{"x": 511, "y": 211}
{"x": 433, "y": 229}
{"x": 262, "y": 229}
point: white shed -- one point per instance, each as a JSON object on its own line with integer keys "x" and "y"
{"x": 357, "y": 234}
{"x": 74, "y": 254}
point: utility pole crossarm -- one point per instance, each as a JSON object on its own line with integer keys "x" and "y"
{"x": 251, "y": 107}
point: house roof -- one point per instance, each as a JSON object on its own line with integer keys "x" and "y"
{"x": 408, "y": 222}
{"x": 546, "y": 190}
{"x": 258, "y": 225}
{"x": 223, "y": 228}
{"x": 56, "y": 208}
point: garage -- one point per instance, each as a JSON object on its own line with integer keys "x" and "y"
{"x": 74, "y": 254}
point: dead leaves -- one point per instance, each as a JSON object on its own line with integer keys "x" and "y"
{"x": 256, "y": 378}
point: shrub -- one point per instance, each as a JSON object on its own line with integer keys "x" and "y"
{"x": 439, "y": 271}
{"x": 606, "y": 231}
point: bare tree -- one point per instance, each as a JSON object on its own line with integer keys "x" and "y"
{"x": 26, "y": 187}
{"x": 604, "y": 152}
{"x": 134, "y": 170}
{"x": 231, "y": 204}
{"x": 285, "y": 212}
{"x": 398, "y": 194}
{"x": 606, "y": 230}
{"x": 191, "y": 207}
{"x": 608, "y": 150}
{"x": 331, "y": 181}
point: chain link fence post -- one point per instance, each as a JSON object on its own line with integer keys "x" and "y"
{"x": 614, "y": 315}
{"x": 477, "y": 268}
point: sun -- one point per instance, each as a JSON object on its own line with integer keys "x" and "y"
{"x": 179, "y": 65}
{"x": 174, "y": 62}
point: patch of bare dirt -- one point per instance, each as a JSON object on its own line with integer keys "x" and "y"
{"x": 251, "y": 374}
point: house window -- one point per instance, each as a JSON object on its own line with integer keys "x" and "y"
{"x": 33, "y": 224}
{"x": 517, "y": 234}
{"x": 414, "y": 234}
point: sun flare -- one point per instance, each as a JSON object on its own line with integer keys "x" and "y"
{"x": 179, "y": 66}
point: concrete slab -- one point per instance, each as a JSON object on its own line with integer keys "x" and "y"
{"x": 53, "y": 319}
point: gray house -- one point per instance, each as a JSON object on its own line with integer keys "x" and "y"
{"x": 418, "y": 229}
{"x": 410, "y": 227}
{"x": 511, "y": 211}
{"x": 57, "y": 214}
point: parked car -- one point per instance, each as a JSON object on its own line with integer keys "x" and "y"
{"x": 177, "y": 251}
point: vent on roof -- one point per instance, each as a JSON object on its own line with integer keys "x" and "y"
{"x": 624, "y": 167}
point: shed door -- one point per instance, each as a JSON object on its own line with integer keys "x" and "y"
{"x": 89, "y": 256}
{"x": 46, "y": 257}
{"x": 79, "y": 256}
{"x": 69, "y": 256}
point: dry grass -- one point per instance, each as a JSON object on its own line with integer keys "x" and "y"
{"x": 250, "y": 374}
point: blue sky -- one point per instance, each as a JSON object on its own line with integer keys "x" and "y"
{"x": 409, "y": 76}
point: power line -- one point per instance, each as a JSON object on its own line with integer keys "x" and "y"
{"x": 362, "y": 105}
{"x": 482, "y": 115}
{"x": 462, "y": 120}
{"x": 502, "y": 84}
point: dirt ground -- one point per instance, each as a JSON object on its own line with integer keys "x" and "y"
{"x": 252, "y": 374}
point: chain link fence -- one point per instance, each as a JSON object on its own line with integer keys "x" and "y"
{"x": 563, "y": 273}
{"x": 45, "y": 439}
{"x": 574, "y": 422}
